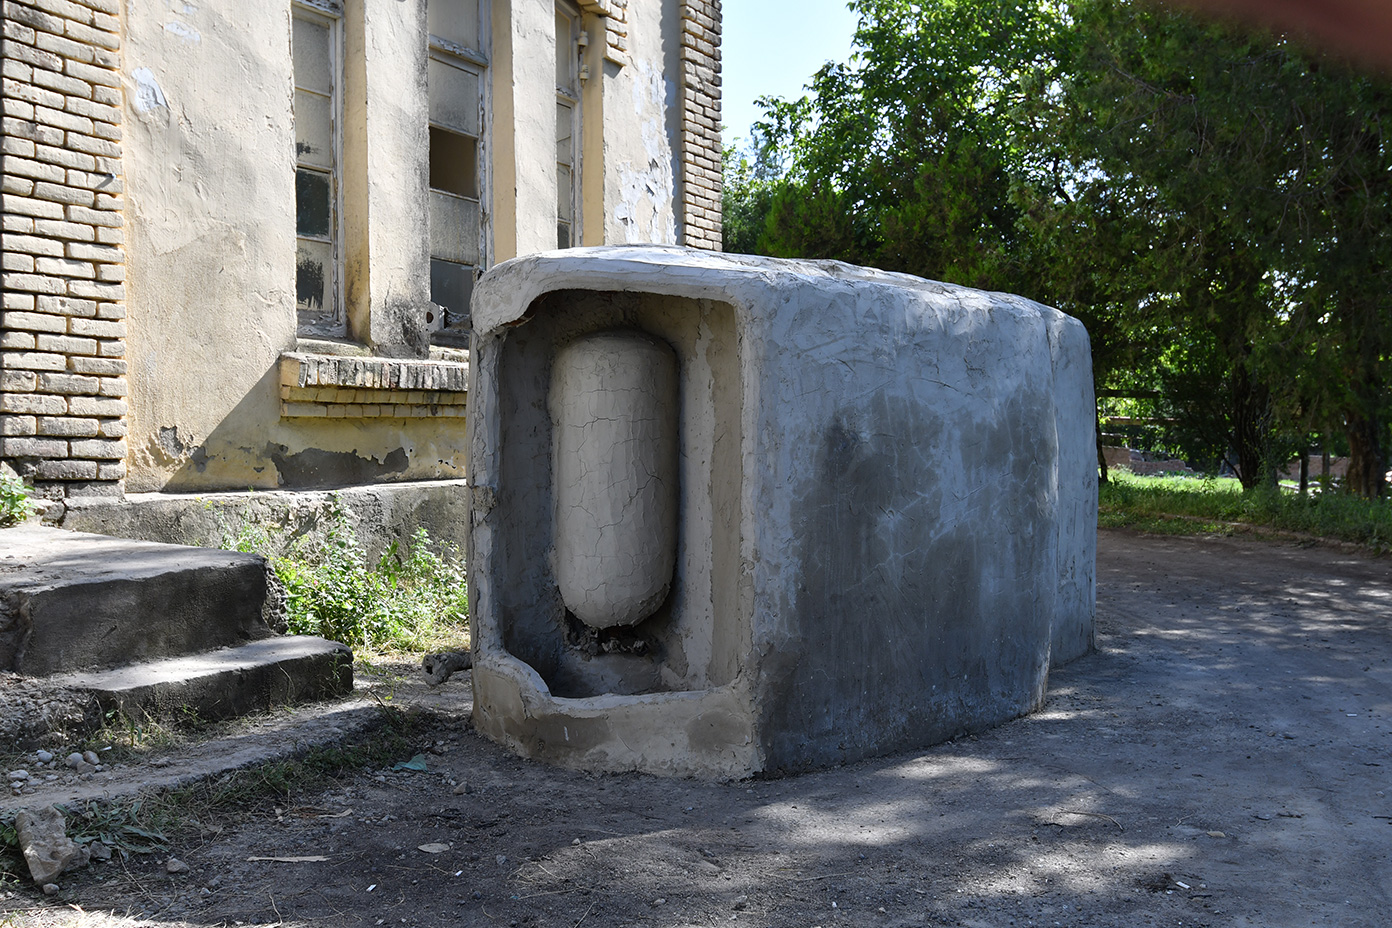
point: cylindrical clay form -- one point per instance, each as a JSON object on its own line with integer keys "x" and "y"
{"x": 615, "y": 414}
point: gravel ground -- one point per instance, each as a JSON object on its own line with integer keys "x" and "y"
{"x": 1221, "y": 760}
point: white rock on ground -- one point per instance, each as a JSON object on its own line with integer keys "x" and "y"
{"x": 47, "y": 848}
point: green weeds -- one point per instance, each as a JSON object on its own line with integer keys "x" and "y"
{"x": 1189, "y": 505}
{"x": 15, "y": 504}
{"x": 412, "y": 599}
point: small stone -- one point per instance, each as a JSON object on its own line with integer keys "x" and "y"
{"x": 657, "y": 902}
{"x": 50, "y": 889}
{"x": 99, "y": 851}
{"x": 741, "y": 902}
{"x": 575, "y": 843}
{"x": 502, "y": 859}
{"x": 85, "y": 768}
{"x": 175, "y": 865}
{"x": 91, "y": 757}
{"x": 44, "y": 757}
{"x": 74, "y": 759}
{"x": 46, "y": 846}
{"x": 99, "y": 768}
{"x": 18, "y": 775}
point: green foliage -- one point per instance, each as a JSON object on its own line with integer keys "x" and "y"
{"x": 1211, "y": 202}
{"x": 130, "y": 828}
{"x": 15, "y": 504}
{"x": 411, "y": 599}
{"x": 1186, "y": 505}
{"x": 745, "y": 204}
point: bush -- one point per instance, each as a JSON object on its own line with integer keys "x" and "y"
{"x": 412, "y": 599}
{"x": 15, "y": 504}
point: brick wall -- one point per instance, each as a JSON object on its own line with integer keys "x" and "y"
{"x": 326, "y": 386}
{"x": 615, "y": 13}
{"x": 62, "y": 333}
{"x": 700, "y": 102}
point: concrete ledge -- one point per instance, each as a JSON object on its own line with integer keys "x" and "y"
{"x": 706, "y": 733}
{"x": 227, "y": 682}
{"x": 75, "y": 601}
{"x": 335, "y": 386}
{"x": 381, "y": 514}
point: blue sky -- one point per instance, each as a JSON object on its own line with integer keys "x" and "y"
{"x": 772, "y": 47}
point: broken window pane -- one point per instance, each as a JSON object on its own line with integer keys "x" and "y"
{"x": 454, "y": 97}
{"x": 453, "y": 163}
{"x": 313, "y": 48}
{"x": 313, "y": 129}
{"x": 451, "y": 285}
{"x": 313, "y": 203}
{"x": 314, "y": 286}
{"x": 455, "y": 21}
{"x": 313, "y": 55}
{"x": 454, "y": 228}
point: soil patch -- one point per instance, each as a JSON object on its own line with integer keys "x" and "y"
{"x": 1223, "y": 759}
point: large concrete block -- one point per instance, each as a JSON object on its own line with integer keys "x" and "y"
{"x": 74, "y": 601}
{"x": 884, "y": 521}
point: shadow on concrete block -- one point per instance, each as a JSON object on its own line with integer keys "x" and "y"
{"x": 155, "y": 627}
{"x": 736, "y": 515}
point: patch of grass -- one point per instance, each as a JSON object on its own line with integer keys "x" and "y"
{"x": 412, "y": 599}
{"x": 1209, "y": 505}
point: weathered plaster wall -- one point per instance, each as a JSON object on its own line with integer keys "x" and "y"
{"x": 642, "y": 126}
{"x": 523, "y": 126}
{"x": 205, "y": 104}
{"x": 212, "y": 250}
{"x": 386, "y": 151}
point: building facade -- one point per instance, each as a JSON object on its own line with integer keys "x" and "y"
{"x": 240, "y": 235}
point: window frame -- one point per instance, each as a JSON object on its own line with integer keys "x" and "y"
{"x": 326, "y": 13}
{"x": 476, "y": 61}
{"x": 571, "y": 97}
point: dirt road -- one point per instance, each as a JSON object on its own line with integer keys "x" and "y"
{"x": 1223, "y": 759}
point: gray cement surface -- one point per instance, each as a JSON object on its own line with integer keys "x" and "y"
{"x": 1223, "y": 759}
{"x": 77, "y": 601}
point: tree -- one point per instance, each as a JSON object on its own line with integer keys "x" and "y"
{"x": 1213, "y": 203}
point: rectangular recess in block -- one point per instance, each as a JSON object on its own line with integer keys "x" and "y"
{"x": 694, "y": 639}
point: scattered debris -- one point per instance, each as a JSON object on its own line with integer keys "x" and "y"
{"x": 416, "y": 763}
{"x": 438, "y": 668}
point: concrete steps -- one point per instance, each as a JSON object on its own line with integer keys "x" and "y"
{"x": 151, "y": 626}
{"x": 225, "y": 683}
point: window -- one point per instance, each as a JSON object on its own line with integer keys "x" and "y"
{"x": 567, "y": 125}
{"x": 456, "y": 70}
{"x": 315, "y": 50}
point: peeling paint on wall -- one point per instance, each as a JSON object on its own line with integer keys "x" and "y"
{"x": 183, "y": 31}
{"x": 321, "y": 470}
{"x": 148, "y": 95}
{"x": 646, "y": 191}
